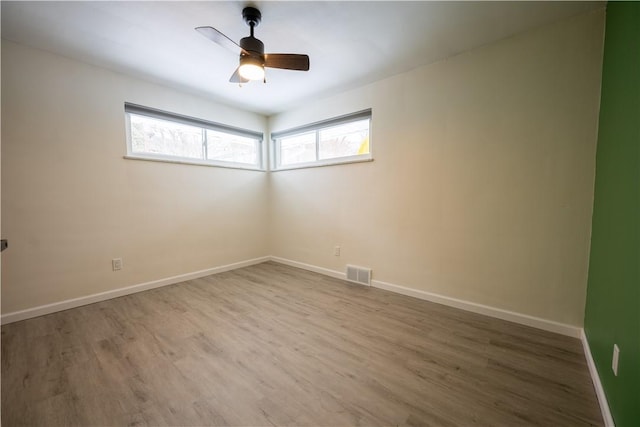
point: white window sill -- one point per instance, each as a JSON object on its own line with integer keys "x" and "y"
{"x": 210, "y": 163}
{"x": 331, "y": 162}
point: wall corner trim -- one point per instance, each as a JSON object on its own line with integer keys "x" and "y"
{"x": 115, "y": 293}
{"x": 597, "y": 385}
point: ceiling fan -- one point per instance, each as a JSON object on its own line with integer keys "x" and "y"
{"x": 251, "y": 51}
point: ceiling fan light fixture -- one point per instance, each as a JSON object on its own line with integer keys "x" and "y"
{"x": 253, "y": 60}
{"x": 251, "y": 68}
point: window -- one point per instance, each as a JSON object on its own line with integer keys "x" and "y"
{"x": 340, "y": 140}
{"x": 158, "y": 135}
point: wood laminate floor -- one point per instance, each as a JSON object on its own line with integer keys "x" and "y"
{"x": 274, "y": 345}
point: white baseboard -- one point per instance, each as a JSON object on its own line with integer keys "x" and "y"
{"x": 102, "y": 296}
{"x": 597, "y": 384}
{"x": 511, "y": 316}
{"x": 309, "y": 267}
{"x": 499, "y": 313}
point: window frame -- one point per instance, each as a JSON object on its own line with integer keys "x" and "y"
{"x": 203, "y": 125}
{"x": 317, "y": 127}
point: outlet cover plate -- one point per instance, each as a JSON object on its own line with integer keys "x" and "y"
{"x": 614, "y": 360}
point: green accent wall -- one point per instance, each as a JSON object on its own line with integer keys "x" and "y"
{"x": 613, "y": 293}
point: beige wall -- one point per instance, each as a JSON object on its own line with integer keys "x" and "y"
{"x": 71, "y": 203}
{"x": 481, "y": 188}
{"x": 482, "y": 183}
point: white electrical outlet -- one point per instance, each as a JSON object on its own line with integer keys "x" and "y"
{"x": 336, "y": 251}
{"x": 116, "y": 263}
{"x": 614, "y": 360}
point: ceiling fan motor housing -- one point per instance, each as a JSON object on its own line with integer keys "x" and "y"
{"x": 252, "y": 45}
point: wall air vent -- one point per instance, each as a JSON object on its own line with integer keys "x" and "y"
{"x": 359, "y": 275}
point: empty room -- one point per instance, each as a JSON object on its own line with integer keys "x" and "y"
{"x": 320, "y": 213}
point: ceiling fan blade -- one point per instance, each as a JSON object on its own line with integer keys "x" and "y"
{"x": 237, "y": 78}
{"x": 287, "y": 61}
{"x": 224, "y": 41}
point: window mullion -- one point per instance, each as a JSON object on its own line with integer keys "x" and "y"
{"x": 204, "y": 144}
{"x": 276, "y": 153}
{"x": 317, "y": 145}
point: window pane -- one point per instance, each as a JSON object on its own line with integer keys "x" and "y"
{"x": 231, "y": 148}
{"x": 155, "y": 136}
{"x": 298, "y": 149}
{"x": 349, "y": 139}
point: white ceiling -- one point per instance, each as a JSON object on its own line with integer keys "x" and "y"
{"x": 349, "y": 43}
